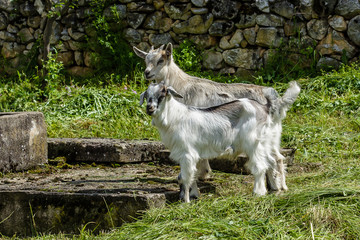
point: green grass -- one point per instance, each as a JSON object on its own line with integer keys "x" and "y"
{"x": 323, "y": 200}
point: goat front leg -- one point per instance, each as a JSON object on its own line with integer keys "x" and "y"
{"x": 187, "y": 175}
{"x": 258, "y": 167}
{"x": 194, "y": 190}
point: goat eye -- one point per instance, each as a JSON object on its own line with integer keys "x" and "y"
{"x": 160, "y": 61}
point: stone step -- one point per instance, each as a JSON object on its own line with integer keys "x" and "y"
{"x": 53, "y": 200}
{"x": 100, "y": 150}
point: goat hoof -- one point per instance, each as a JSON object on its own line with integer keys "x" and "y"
{"x": 194, "y": 197}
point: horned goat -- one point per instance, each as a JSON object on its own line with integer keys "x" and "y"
{"x": 193, "y": 134}
{"x": 160, "y": 67}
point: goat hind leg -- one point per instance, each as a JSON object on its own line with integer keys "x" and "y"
{"x": 188, "y": 170}
{"x": 204, "y": 169}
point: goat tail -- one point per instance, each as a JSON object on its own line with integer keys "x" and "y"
{"x": 284, "y": 103}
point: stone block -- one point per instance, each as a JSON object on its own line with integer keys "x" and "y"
{"x": 23, "y": 141}
{"x": 103, "y": 150}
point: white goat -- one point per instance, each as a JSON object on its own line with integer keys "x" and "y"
{"x": 193, "y": 134}
{"x": 161, "y": 67}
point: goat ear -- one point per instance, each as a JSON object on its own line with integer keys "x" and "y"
{"x": 173, "y": 92}
{"x": 142, "y": 96}
{"x": 168, "y": 50}
{"x": 139, "y": 52}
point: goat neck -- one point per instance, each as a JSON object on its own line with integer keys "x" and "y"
{"x": 170, "y": 113}
{"x": 175, "y": 77}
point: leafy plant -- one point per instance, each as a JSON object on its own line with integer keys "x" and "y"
{"x": 110, "y": 50}
{"x": 188, "y": 57}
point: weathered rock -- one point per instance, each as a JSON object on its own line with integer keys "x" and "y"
{"x": 56, "y": 33}
{"x": 233, "y": 41}
{"x": 28, "y": 9}
{"x": 268, "y": 37}
{"x": 73, "y": 45}
{"x": 292, "y": 28}
{"x": 153, "y": 21}
{"x": 348, "y": 8}
{"x": 200, "y": 3}
{"x": 306, "y": 8}
{"x": 338, "y": 23}
{"x": 158, "y": 4}
{"x": 354, "y": 30}
{"x": 324, "y": 8}
{"x": 221, "y": 28}
{"x": 140, "y": 7}
{"x": 3, "y": 21}
{"x": 165, "y": 25}
{"x": 225, "y": 9}
{"x": 263, "y": 5}
{"x": 178, "y": 11}
{"x": 335, "y": 43}
{"x": 83, "y": 13}
{"x": 8, "y": 5}
{"x": 117, "y": 11}
{"x": 212, "y": 60}
{"x": 79, "y": 59}
{"x": 132, "y": 35}
{"x": 7, "y": 37}
{"x": 269, "y": 20}
{"x": 67, "y": 58}
{"x": 159, "y": 39}
{"x": 250, "y": 35}
{"x": 204, "y": 40}
{"x": 25, "y": 35}
{"x": 198, "y": 24}
{"x": 283, "y": 8}
{"x": 23, "y": 142}
{"x": 244, "y": 58}
{"x": 199, "y": 10}
{"x": 317, "y": 29}
{"x": 34, "y": 22}
{"x": 77, "y": 36}
{"x": 246, "y": 21}
{"x": 12, "y": 29}
{"x": 90, "y": 59}
{"x": 39, "y": 6}
{"x": 144, "y": 46}
{"x": 227, "y": 71}
{"x": 80, "y": 71}
{"x": 326, "y": 63}
{"x": 11, "y": 49}
{"x": 38, "y": 33}
{"x": 135, "y": 19}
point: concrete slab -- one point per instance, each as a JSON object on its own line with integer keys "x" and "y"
{"x": 22, "y": 141}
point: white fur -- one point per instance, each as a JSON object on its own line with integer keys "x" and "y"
{"x": 192, "y": 135}
{"x": 205, "y": 93}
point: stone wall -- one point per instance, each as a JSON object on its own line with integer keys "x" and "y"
{"x": 235, "y": 36}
